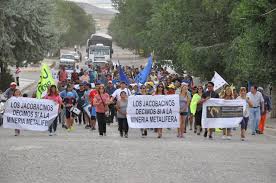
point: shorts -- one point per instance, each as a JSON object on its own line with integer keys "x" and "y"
{"x": 68, "y": 113}
{"x": 183, "y": 113}
{"x": 244, "y": 123}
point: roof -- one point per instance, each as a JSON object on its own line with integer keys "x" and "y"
{"x": 102, "y": 35}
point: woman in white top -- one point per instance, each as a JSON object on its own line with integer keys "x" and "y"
{"x": 245, "y": 119}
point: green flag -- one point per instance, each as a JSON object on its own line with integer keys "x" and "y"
{"x": 46, "y": 80}
{"x": 196, "y": 98}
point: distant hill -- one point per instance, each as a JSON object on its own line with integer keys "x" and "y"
{"x": 95, "y": 11}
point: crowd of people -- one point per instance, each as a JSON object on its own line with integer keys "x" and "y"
{"x": 96, "y": 95}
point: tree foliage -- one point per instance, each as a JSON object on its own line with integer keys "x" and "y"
{"x": 236, "y": 38}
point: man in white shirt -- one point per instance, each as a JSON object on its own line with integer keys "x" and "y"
{"x": 258, "y": 107}
{"x": 117, "y": 92}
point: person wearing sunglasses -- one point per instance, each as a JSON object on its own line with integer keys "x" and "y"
{"x": 160, "y": 90}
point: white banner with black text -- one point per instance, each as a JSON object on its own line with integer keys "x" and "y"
{"x": 220, "y": 113}
{"x": 160, "y": 111}
{"x": 29, "y": 113}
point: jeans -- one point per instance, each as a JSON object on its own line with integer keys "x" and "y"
{"x": 101, "y": 123}
{"x": 123, "y": 126}
{"x": 53, "y": 126}
{"x": 254, "y": 117}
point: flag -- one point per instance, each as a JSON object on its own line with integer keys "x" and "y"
{"x": 46, "y": 80}
{"x": 122, "y": 76}
{"x": 218, "y": 81}
{"x": 193, "y": 106}
{"x": 143, "y": 75}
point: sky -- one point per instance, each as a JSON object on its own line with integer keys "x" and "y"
{"x": 99, "y": 3}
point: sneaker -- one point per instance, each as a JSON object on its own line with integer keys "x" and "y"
{"x": 224, "y": 137}
{"x": 210, "y": 137}
{"x": 228, "y": 137}
{"x": 87, "y": 127}
{"x": 68, "y": 129}
{"x": 93, "y": 128}
{"x": 126, "y": 136}
{"x": 55, "y": 133}
{"x": 242, "y": 139}
{"x": 253, "y": 133}
{"x": 198, "y": 133}
{"x": 50, "y": 134}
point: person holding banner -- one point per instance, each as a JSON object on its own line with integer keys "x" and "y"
{"x": 101, "y": 101}
{"x": 17, "y": 93}
{"x": 184, "y": 102}
{"x": 121, "y": 107}
{"x": 160, "y": 90}
{"x": 53, "y": 95}
{"x": 143, "y": 91}
{"x": 245, "y": 119}
{"x": 210, "y": 93}
{"x": 228, "y": 95}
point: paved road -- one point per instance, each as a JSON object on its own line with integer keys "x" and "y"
{"x": 82, "y": 156}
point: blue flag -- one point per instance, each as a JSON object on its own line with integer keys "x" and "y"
{"x": 143, "y": 75}
{"x": 122, "y": 76}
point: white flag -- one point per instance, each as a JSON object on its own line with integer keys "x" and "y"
{"x": 218, "y": 81}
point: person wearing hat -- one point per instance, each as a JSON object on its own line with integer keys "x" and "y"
{"x": 9, "y": 92}
{"x": 171, "y": 89}
{"x": 267, "y": 109}
{"x": 117, "y": 92}
{"x": 150, "y": 87}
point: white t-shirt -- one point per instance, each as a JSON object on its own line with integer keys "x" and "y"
{"x": 116, "y": 93}
{"x": 257, "y": 99}
{"x": 246, "y": 112}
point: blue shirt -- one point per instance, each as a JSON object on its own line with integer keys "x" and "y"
{"x": 63, "y": 94}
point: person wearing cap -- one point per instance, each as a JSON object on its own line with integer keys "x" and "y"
{"x": 255, "y": 111}
{"x": 267, "y": 109}
{"x": 91, "y": 96}
{"x": 117, "y": 92}
{"x": 81, "y": 102}
{"x": 171, "y": 89}
{"x": 150, "y": 87}
{"x": 69, "y": 101}
{"x": 9, "y": 92}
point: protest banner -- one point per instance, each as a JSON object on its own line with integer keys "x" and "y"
{"x": 29, "y": 113}
{"x": 220, "y": 113}
{"x": 160, "y": 111}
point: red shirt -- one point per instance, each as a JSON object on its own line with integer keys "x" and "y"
{"x": 92, "y": 95}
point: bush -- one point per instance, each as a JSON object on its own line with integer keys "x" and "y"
{"x": 5, "y": 80}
